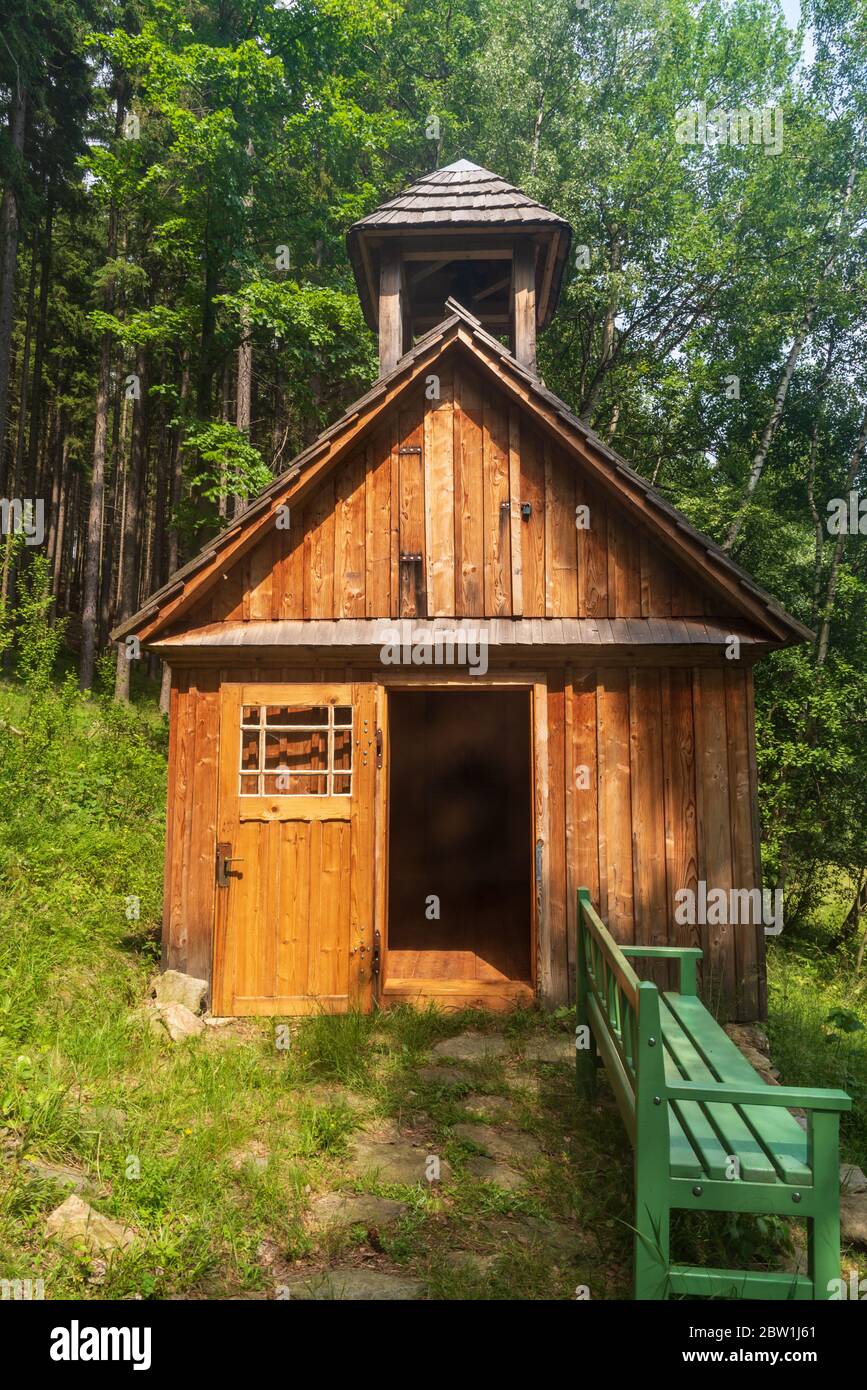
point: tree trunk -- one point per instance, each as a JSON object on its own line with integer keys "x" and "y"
{"x": 9, "y": 219}
{"x": 839, "y": 547}
{"x": 132, "y": 523}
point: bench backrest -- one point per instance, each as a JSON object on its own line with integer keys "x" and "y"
{"x": 624, "y": 1013}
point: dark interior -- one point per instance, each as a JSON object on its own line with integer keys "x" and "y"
{"x": 460, "y": 828}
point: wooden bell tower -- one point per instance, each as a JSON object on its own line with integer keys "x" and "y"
{"x": 461, "y": 233}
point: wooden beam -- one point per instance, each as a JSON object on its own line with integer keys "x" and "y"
{"x": 390, "y": 311}
{"x": 524, "y": 304}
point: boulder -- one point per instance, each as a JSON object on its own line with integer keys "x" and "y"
{"x": 59, "y": 1173}
{"x": 852, "y": 1179}
{"x": 853, "y": 1219}
{"x": 76, "y": 1223}
{"x": 172, "y": 987}
{"x": 180, "y": 1022}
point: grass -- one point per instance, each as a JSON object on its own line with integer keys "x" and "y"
{"x": 213, "y": 1150}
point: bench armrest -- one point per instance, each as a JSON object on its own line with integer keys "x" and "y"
{"x": 725, "y": 1093}
{"x": 686, "y": 957}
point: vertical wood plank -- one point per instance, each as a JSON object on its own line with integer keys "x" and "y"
{"x": 715, "y": 831}
{"x": 648, "y": 817}
{"x": 595, "y": 553}
{"x": 515, "y": 510}
{"x": 469, "y": 498}
{"x": 378, "y": 526}
{"x": 349, "y": 540}
{"x": 440, "y": 500}
{"x": 615, "y": 800}
{"x": 746, "y": 935}
{"x": 557, "y": 771}
{"x": 496, "y": 505}
{"x": 565, "y": 538}
{"x": 533, "y": 529}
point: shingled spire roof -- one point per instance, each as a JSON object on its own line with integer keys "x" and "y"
{"x": 461, "y": 195}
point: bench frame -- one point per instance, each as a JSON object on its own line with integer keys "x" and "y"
{"x": 623, "y": 1017}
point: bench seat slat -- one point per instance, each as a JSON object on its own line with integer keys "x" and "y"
{"x": 729, "y": 1128}
{"x": 778, "y": 1132}
{"x": 682, "y": 1158}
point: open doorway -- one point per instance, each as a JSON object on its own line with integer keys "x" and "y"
{"x": 460, "y": 839}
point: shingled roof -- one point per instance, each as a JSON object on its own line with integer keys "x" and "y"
{"x": 465, "y": 196}
{"x": 462, "y": 194}
{"x": 670, "y": 526}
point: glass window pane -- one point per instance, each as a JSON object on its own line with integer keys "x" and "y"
{"x": 343, "y": 714}
{"x": 295, "y": 715}
{"x": 343, "y": 748}
{"x": 249, "y": 750}
{"x": 297, "y": 750}
{"x": 249, "y": 784}
{"x": 295, "y": 784}
{"x": 250, "y": 714}
{"x": 342, "y": 783}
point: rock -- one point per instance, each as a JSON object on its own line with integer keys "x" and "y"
{"x": 507, "y": 1144}
{"x": 853, "y": 1218}
{"x": 470, "y": 1261}
{"x": 344, "y": 1209}
{"x": 76, "y": 1223}
{"x": 492, "y": 1170}
{"x": 491, "y": 1107}
{"x": 171, "y": 987}
{"x": 211, "y": 1022}
{"x": 471, "y": 1047}
{"x": 748, "y": 1035}
{"x": 551, "y": 1048}
{"x": 760, "y": 1063}
{"x": 251, "y": 1155}
{"x": 70, "y": 1178}
{"x": 442, "y": 1076}
{"x": 180, "y": 1022}
{"x": 354, "y": 1285}
{"x": 852, "y": 1179}
{"x": 560, "y": 1240}
{"x": 393, "y": 1160}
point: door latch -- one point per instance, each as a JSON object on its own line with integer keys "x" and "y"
{"x": 374, "y": 960}
{"x": 379, "y": 748}
{"x": 224, "y": 859}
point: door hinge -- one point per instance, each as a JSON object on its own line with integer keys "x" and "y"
{"x": 379, "y": 748}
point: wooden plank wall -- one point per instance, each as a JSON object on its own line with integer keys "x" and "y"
{"x": 448, "y": 478}
{"x": 651, "y": 787}
{"x": 660, "y": 793}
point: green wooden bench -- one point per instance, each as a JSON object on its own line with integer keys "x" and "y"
{"x": 708, "y": 1133}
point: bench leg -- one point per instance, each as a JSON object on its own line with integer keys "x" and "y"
{"x": 650, "y": 1246}
{"x": 823, "y": 1233}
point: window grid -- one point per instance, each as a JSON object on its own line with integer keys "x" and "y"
{"x": 330, "y": 727}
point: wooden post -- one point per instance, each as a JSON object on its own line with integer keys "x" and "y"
{"x": 524, "y": 303}
{"x": 390, "y": 315}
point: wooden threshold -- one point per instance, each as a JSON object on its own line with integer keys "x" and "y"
{"x": 498, "y": 995}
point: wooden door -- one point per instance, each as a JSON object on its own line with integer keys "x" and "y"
{"x": 294, "y": 864}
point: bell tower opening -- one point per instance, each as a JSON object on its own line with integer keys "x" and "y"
{"x": 459, "y": 233}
